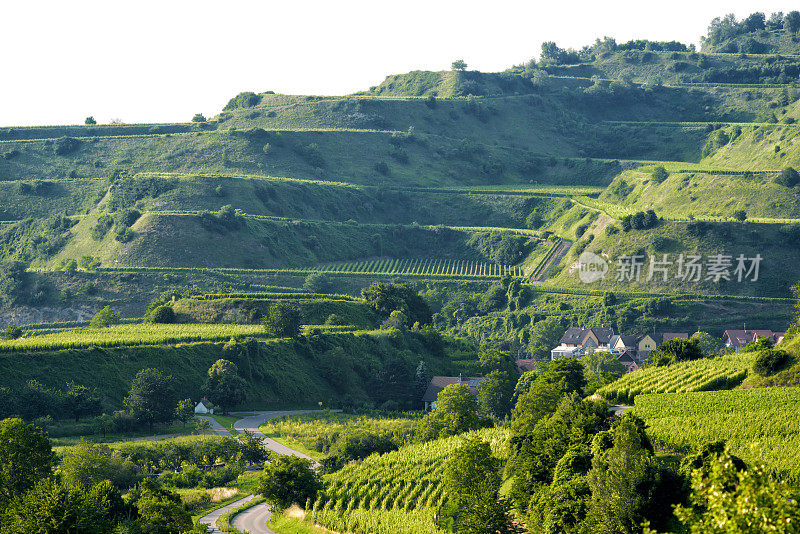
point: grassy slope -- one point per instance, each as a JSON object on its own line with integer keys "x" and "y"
{"x": 279, "y": 373}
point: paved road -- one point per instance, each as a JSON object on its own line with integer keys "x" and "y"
{"x": 252, "y": 520}
{"x": 211, "y": 519}
{"x": 215, "y": 426}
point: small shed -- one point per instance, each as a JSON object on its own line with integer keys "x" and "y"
{"x": 204, "y": 406}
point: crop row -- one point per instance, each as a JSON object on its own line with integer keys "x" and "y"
{"x": 698, "y": 375}
{"x": 132, "y": 335}
{"x": 760, "y": 425}
{"x": 537, "y": 272}
{"x": 395, "y": 492}
{"x": 425, "y": 267}
{"x": 274, "y": 296}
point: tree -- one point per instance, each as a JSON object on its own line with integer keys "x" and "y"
{"x": 105, "y": 317}
{"x": 80, "y": 401}
{"x": 152, "y": 397}
{"x": 88, "y": 263}
{"x": 252, "y": 448}
{"x": 459, "y": 65}
{"x": 90, "y": 120}
{"x": 676, "y": 350}
{"x": 198, "y": 117}
{"x": 496, "y": 392}
{"x": 397, "y": 320}
{"x": 788, "y": 177}
{"x": 659, "y": 174}
{"x": 792, "y": 21}
{"x": 384, "y": 298}
{"x": 161, "y": 511}
{"x": 282, "y": 320}
{"x": 755, "y": 22}
{"x": 471, "y": 483}
{"x": 87, "y": 464}
{"x": 318, "y": 282}
{"x": 622, "y": 477}
{"x": 709, "y": 345}
{"x": 184, "y": 411}
{"x": 53, "y": 508}
{"x": 740, "y": 215}
{"x": 25, "y": 458}
{"x": 455, "y": 412}
{"x": 161, "y": 315}
{"x": 727, "y": 499}
{"x": 421, "y": 381}
{"x": 224, "y": 387}
{"x": 770, "y": 361}
{"x": 12, "y": 332}
{"x": 288, "y": 480}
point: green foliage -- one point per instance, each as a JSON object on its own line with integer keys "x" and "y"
{"x": 25, "y": 458}
{"x": 184, "y": 411}
{"x": 12, "y": 332}
{"x": 152, "y": 397}
{"x": 788, "y": 177}
{"x": 163, "y": 314}
{"x": 659, "y": 174}
{"x": 224, "y": 387}
{"x": 198, "y": 117}
{"x": 282, "y": 320}
{"x": 66, "y": 145}
{"x": 90, "y": 120}
{"x": 104, "y": 318}
{"x": 455, "y": 412}
{"x": 161, "y": 511}
{"x": 496, "y": 392}
{"x": 459, "y": 65}
{"x": 731, "y": 500}
{"x": 53, "y": 507}
{"x": 80, "y": 401}
{"x": 675, "y": 351}
{"x": 770, "y": 361}
{"x": 101, "y": 228}
{"x": 385, "y": 298}
{"x": 287, "y": 480}
{"x": 318, "y": 282}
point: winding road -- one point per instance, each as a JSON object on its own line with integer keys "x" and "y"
{"x": 254, "y": 519}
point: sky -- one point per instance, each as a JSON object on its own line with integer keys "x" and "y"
{"x": 164, "y": 61}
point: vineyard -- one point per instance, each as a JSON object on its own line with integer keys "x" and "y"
{"x": 698, "y": 375}
{"x": 132, "y": 335}
{"x": 395, "y": 492}
{"x": 424, "y": 267}
{"x": 759, "y": 424}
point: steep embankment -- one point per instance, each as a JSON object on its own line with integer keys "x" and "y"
{"x": 325, "y": 367}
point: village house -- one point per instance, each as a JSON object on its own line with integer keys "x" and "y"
{"x": 438, "y": 383}
{"x": 204, "y": 407}
{"x": 585, "y": 338}
{"x": 739, "y": 339}
{"x": 650, "y": 342}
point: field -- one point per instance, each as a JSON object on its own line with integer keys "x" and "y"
{"x": 426, "y": 267}
{"x": 318, "y": 432}
{"x": 396, "y": 492}
{"x": 698, "y": 375}
{"x": 759, "y": 424}
{"x": 132, "y": 335}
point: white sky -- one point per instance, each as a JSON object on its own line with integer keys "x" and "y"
{"x": 163, "y": 61}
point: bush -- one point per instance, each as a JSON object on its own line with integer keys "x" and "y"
{"x": 125, "y": 235}
{"x": 770, "y": 361}
{"x": 317, "y": 282}
{"x": 660, "y": 174}
{"x": 161, "y": 315}
{"x": 127, "y": 217}
{"x": 788, "y": 177}
{"x": 66, "y": 145}
{"x": 105, "y": 317}
{"x": 198, "y": 117}
{"x": 382, "y": 167}
{"x": 740, "y": 215}
{"x": 101, "y": 228}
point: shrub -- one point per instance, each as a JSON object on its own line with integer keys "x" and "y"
{"x": 580, "y": 230}
{"x": 90, "y": 120}
{"x": 660, "y": 174}
{"x": 101, "y": 228}
{"x": 788, "y": 177}
{"x": 12, "y": 332}
{"x": 105, "y": 317}
{"x": 770, "y": 361}
{"x": 382, "y": 167}
{"x": 161, "y": 315}
{"x": 198, "y": 117}
{"x": 125, "y": 235}
{"x": 127, "y": 217}
{"x": 740, "y": 215}
{"x": 66, "y": 145}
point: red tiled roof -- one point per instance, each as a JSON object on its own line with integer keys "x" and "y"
{"x": 438, "y": 383}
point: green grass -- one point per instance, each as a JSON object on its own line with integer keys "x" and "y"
{"x": 227, "y": 421}
{"x": 314, "y": 434}
{"x": 283, "y": 524}
{"x": 131, "y": 335}
{"x": 759, "y": 424}
{"x": 723, "y": 372}
{"x": 395, "y": 492}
